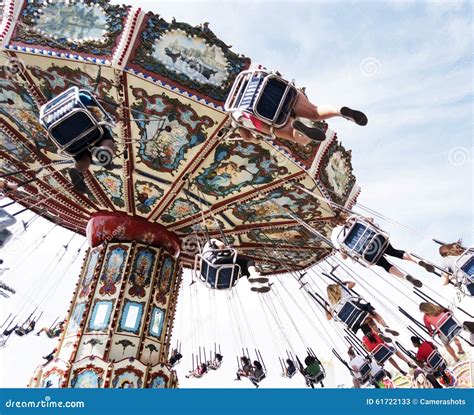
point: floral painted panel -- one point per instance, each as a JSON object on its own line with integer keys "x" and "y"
{"x": 165, "y": 279}
{"x": 180, "y": 209}
{"x": 148, "y": 195}
{"x": 168, "y": 130}
{"x": 56, "y": 79}
{"x": 112, "y": 270}
{"x": 88, "y": 377}
{"x": 273, "y": 206}
{"x": 21, "y": 110}
{"x": 113, "y": 186}
{"x": 127, "y": 377}
{"x": 336, "y": 172}
{"x": 236, "y": 166}
{"x": 142, "y": 272}
{"x": 297, "y": 236}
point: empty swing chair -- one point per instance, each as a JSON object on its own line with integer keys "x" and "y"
{"x": 263, "y": 95}
{"x": 464, "y": 272}
{"x": 217, "y": 268}
{"x": 73, "y": 125}
{"x": 363, "y": 241}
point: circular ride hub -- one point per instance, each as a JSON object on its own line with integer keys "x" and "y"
{"x": 176, "y": 176}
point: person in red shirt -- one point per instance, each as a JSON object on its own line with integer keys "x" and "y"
{"x": 371, "y": 340}
{"x": 432, "y": 315}
{"x": 425, "y": 349}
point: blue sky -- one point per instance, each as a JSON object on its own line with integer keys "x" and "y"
{"x": 408, "y": 65}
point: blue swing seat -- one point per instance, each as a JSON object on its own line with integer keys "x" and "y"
{"x": 347, "y": 312}
{"x": 70, "y": 123}
{"x": 436, "y": 362}
{"x": 382, "y": 353}
{"x": 448, "y": 328}
{"x": 217, "y": 268}
{"x": 464, "y": 271}
{"x": 363, "y": 241}
{"x": 265, "y": 95}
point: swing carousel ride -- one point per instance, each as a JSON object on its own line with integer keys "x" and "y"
{"x": 180, "y": 176}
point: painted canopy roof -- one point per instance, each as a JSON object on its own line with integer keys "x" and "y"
{"x": 149, "y": 72}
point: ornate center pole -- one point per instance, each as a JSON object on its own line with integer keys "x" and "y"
{"x": 118, "y": 330}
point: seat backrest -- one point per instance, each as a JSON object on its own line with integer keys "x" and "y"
{"x": 79, "y": 122}
{"x": 365, "y": 240}
{"x": 382, "y": 353}
{"x": 435, "y": 360}
{"x": 348, "y": 313}
{"x": 448, "y": 327}
{"x": 219, "y": 276}
{"x": 467, "y": 266}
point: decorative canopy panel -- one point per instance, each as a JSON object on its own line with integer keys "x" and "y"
{"x": 165, "y": 84}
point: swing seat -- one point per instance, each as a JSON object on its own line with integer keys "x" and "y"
{"x": 347, "y": 312}
{"x": 379, "y": 376}
{"x": 464, "y": 271}
{"x": 264, "y": 95}
{"x": 5, "y": 236}
{"x": 436, "y": 362}
{"x": 70, "y": 123}
{"x": 317, "y": 378}
{"x": 382, "y": 353}
{"x": 6, "y": 219}
{"x": 363, "y": 241}
{"x": 216, "y": 268}
{"x": 448, "y": 328}
{"x": 364, "y": 371}
{"x": 289, "y": 375}
{"x": 255, "y": 379}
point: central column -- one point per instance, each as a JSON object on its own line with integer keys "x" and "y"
{"x": 119, "y": 326}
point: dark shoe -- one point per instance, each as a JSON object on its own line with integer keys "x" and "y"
{"x": 428, "y": 267}
{"x": 392, "y": 332}
{"x": 77, "y": 180}
{"x": 313, "y": 133}
{"x": 355, "y": 116}
{"x": 403, "y": 372}
{"x": 414, "y": 281}
{"x": 261, "y": 280}
{"x": 468, "y": 326}
{"x": 385, "y": 338}
{"x": 260, "y": 289}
